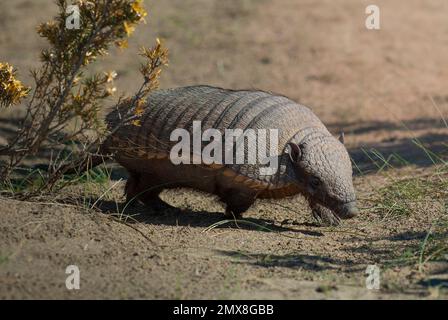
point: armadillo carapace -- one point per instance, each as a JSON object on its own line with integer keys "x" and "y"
{"x": 310, "y": 160}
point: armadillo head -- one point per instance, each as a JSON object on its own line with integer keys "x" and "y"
{"x": 324, "y": 171}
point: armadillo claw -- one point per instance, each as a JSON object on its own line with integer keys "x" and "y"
{"x": 324, "y": 216}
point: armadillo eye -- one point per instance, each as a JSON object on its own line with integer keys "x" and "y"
{"x": 315, "y": 182}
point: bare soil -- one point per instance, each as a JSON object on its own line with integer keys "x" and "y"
{"x": 383, "y": 88}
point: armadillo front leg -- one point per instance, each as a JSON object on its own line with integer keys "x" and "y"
{"x": 237, "y": 203}
{"x": 323, "y": 215}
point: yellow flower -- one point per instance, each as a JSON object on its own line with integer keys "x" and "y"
{"x": 137, "y": 6}
{"x": 140, "y": 108}
{"x": 77, "y": 98}
{"x": 111, "y": 91}
{"x": 110, "y": 76}
{"x": 137, "y": 123}
{"x": 129, "y": 29}
{"x": 123, "y": 44}
{"x": 11, "y": 89}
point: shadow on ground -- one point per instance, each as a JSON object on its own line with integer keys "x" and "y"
{"x": 374, "y": 126}
{"x": 418, "y": 146}
{"x": 171, "y": 216}
{"x": 296, "y": 261}
{"x": 405, "y": 248}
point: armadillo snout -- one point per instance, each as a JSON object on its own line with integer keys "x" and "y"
{"x": 348, "y": 210}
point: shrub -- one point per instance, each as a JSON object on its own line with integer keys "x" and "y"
{"x": 63, "y": 111}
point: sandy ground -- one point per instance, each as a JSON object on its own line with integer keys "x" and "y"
{"x": 383, "y": 88}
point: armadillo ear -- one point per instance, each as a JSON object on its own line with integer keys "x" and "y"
{"x": 295, "y": 153}
{"x": 341, "y": 137}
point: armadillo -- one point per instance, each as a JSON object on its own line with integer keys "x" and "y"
{"x": 312, "y": 161}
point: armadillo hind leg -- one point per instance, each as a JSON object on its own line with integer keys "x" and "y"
{"x": 323, "y": 215}
{"x": 237, "y": 202}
